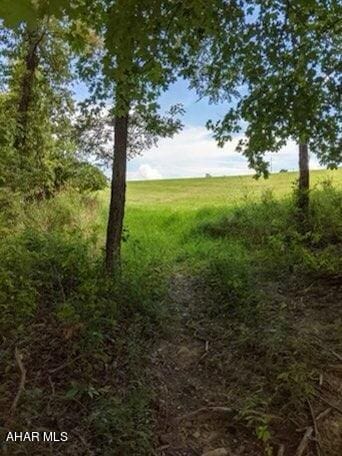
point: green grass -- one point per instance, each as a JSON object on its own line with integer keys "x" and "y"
{"x": 216, "y": 191}
{"x": 161, "y": 215}
{"x": 241, "y": 238}
{"x": 233, "y": 233}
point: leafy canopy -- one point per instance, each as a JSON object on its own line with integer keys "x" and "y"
{"x": 287, "y": 70}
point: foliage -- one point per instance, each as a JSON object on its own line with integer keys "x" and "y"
{"x": 94, "y": 130}
{"x": 267, "y": 228}
{"x": 10, "y": 209}
{"x": 50, "y": 266}
{"x": 288, "y": 82}
{"x": 53, "y": 290}
{"x": 146, "y": 45}
{"x": 86, "y": 177}
{"x": 17, "y": 294}
{"x": 50, "y": 260}
{"x": 30, "y": 12}
{"x": 45, "y": 270}
{"x": 48, "y": 160}
{"x": 124, "y": 423}
{"x": 37, "y": 139}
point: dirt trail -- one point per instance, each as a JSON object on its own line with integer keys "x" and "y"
{"x": 187, "y": 389}
{"x": 199, "y": 377}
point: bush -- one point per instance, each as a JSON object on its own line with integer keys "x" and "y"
{"x": 228, "y": 274}
{"x": 125, "y": 423}
{"x": 87, "y": 178}
{"x": 18, "y": 295}
{"x": 10, "y": 210}
{"x": 270, "y": 229}
{"x": 53, "y": 262}
{"x": 326, "y": 215}
{"x": 41, "y": 269}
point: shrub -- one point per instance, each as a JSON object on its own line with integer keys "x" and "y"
{"x": 10, "y": 210}
{"x": 53, "y": 263}
{"x": 270, "y": 229}
{"x": 87, "y": 177}
{"x": 18, "y": 295}
{"x": 43, "y": 269}
{"x": 124, "y": 423}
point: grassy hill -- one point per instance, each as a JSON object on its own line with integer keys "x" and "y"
{"x": 260, "y": 291}
{"x": 223, "y": 299}
{"x": 217, "y": 191}
{"x": 162, "y": 215}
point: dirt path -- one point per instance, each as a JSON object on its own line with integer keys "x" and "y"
{"x": 188, "y": 390}
{"x": 201, "y": 378}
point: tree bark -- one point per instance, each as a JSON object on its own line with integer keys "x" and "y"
{"x": 118, "y": 194}
{"x": 26, "y": 88}
{"x": 303, "y": 185}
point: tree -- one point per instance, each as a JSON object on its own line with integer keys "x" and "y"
{"x": 37, "y": 106}
{"x": 146, "y": 45}
{"x": 32, "y": 39}
{"x": 133, "y": 70}
{"x": 94, "y": 131}
{"x": 289, "y": 85}
{"x": 37, "y": 109}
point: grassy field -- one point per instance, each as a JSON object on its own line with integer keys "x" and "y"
{"x": 216, "y": 191}
{"x": 162, "y": 215}
{"x": 239, "y": 237}
{"x": 223, "y": 299}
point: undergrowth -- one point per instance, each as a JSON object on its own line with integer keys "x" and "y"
{"x": 85, "y": 337}
{"x": 261, "y": 272}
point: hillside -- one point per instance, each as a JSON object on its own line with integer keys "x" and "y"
{"x": 218, "y": 191}
{"x": 220, "y": 333}
{"x": 170, "y": 317}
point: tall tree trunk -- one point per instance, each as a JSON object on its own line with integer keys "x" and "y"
{"x": 26, "y": 88}
{"x": 303, "y": 185}
{"x": 118, "y": 194}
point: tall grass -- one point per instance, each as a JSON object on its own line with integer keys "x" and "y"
{"x": 233, "y": 233}
{"x": 183, "y": 223}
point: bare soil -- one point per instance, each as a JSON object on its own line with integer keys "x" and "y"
{"x": 202, "y": 378}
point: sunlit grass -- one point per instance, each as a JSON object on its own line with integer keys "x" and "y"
{"x": 161, "y": 215}
{"x": 216, "y": 191}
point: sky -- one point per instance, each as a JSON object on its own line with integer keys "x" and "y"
{"x": 193, "y": 152}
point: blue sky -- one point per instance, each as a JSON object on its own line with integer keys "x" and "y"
{"x": 193, "y": 152}
{"x": 197, "y": 111}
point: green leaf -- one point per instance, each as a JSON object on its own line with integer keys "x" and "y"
{"x": 15, "y": 12}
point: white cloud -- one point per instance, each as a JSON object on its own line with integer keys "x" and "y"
{"x": 194, "y": 152}
{"x": 147, "y": 172}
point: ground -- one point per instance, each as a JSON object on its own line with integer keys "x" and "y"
{"x": 221, "y": 336}
{"x": 187, "y": 389}
{"x": 198, "y": 376}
